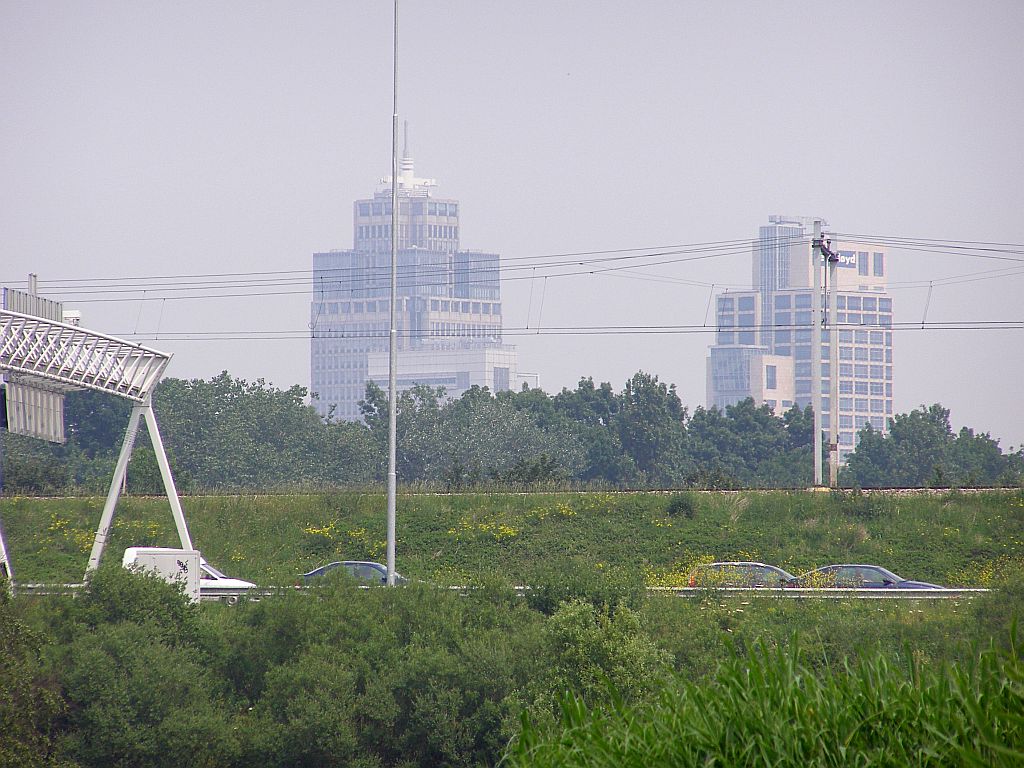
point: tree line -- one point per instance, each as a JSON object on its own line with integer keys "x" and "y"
{"x": 227, "y": 433}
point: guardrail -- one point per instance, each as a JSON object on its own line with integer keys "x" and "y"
{"x": 829, "y": 593}
{"x": 46, "y": 589}
{"x": 231, "y": 595}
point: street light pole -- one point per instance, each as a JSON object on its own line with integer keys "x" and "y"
{"x": 393, "y": 337}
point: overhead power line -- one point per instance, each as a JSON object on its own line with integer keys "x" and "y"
{"x": 263, "y": 335}
{"x": 530, "y": 262}
{"x": 614, "y": 262}
{"x": 980, "y": 249}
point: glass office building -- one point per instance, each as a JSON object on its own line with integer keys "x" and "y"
{"x": 449, "y": 317}
{"x": 757, "y": 329}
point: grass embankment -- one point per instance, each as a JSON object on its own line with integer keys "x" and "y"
{"x": 955, "y": 539}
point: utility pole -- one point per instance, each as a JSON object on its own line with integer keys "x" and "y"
{"x": 833, "y": 367}
{"x": 816, "y": 301}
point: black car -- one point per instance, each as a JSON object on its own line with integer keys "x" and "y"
{"x": 367, "y": 573}
{"x": 738, "y": 574}
{"x": 857, "y": 576}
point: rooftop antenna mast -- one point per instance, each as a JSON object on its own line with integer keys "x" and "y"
{"x": 393, "y": 337}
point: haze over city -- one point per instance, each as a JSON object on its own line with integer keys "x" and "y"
{"x": 200, "y": 139}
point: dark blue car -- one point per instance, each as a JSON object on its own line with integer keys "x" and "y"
{"x": 370, "y": 574}
{"x": 857, "y": 576}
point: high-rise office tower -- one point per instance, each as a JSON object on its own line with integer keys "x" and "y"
{"x": 763, "y": 344}
{"x": 449, "y": 304}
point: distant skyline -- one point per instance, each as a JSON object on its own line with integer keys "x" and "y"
{"x": 160, "y": 139}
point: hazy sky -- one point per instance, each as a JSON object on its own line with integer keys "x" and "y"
{"x": 190, "y": 138}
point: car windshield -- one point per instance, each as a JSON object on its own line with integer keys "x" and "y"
{"x": 850, "y": 576}
{"x": 209, "y": 570}
{"x": 367, "y": 573}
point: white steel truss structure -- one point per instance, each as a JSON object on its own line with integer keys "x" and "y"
{"x": 53, "y": 355}
{"x": 67, "y": 354}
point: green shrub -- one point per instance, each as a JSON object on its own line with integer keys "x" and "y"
{"x": 681, "y": 505}
{"x": 29, "y": 705}
{"x": 114, "y": 594}
{"x": 857, "y": 504}
{"x": 135, "y": 699}
{"x": 604, "y": 588}
{"x": 597, "y": 656}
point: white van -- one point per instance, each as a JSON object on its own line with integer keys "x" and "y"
{"x": 186, "y": 566}
{"x": 173, "y": 565}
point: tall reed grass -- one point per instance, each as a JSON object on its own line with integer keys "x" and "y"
{"x": 767, "y": 708}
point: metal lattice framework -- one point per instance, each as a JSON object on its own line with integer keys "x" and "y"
{"x": 47, "y": 354}
{"x": 67, "y": 355}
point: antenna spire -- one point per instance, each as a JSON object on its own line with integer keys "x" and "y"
{"x": 408, "y": 178}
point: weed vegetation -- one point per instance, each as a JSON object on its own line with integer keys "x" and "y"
{"x": 951, "y": 538}
{"x": 589, "y": 668}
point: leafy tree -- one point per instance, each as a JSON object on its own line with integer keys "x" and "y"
{"x": 227, "y": 433}
{"x": 95, "y": 421}
{"x": 475, "y": 437}
{"x": 871, "y": 464}
{"x": 31, "y": 466}
{"x": 713, "y": 450}
{"x": 535, "y": 402}
{"x": 976, "y": 460}
{"x": 921, "y": 449}
{"x": 587, "y": 404}
{"x": 592, "y": 410}
{"x": 651, "y": 426}
{"x": 799, "y": 426}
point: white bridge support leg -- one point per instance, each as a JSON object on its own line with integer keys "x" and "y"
{"x": 139, "y": 410}
{"x": 6, "y": 572}
{"x": 165, "y": 474}
{"x": 107, "y": 518}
